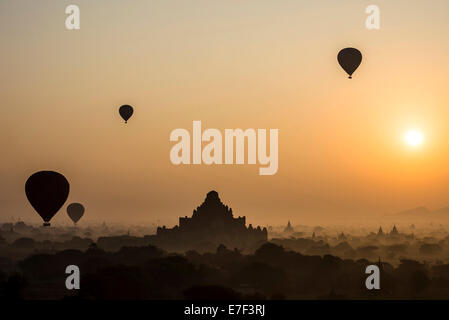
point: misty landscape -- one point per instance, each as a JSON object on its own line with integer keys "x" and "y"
{"x": 281, "y": 151}
{"x": 292, "y": 262}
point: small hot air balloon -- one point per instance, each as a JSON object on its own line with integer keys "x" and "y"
{"x": 75, "y": 211}
{"x": 349, "y": 59}
{"x": 47, "y": 191}
{"x": 126, "y": 112}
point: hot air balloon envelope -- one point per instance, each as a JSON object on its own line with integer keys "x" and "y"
{"x": 75, "y": 211}
{"x": 126, "y": 112}
{"x": 47, "y": 191}
{"x": 349, "y": 59}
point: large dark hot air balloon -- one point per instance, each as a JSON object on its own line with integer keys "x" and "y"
{"x": 126, "y": 112}
{"x": 349, "y": 59}
{"x": 47, "y": 192}
{"x": 75, "y": 211}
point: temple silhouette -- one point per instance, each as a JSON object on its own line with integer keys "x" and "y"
{"x": 289, "y": 229}
{"x": 212, "y": 224}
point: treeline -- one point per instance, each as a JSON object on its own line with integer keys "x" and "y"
{"x": 270, "y": 273}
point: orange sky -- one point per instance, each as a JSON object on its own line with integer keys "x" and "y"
{"x": 230, "y": 64}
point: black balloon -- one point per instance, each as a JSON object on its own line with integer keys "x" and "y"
{"x": 47, "y": 192}
{"x": 126, "y": 112}
{"x": 349, "y": 59}
{"x": 75, "y": 211}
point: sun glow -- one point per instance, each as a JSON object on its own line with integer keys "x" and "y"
{"x": 414, "y": 138}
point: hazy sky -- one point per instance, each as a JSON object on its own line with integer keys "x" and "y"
{"x": 231, "y": 64}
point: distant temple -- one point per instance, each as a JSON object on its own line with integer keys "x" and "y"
{"x": 289, "y": 228}
{"x": 380, "y": 233}
{"x": 394, "y": 231}
{"x": 342, "y": 237}
{"x": 211, "y": 224}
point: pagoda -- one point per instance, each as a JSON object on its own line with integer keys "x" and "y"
{"x": 211, "y": 224}
{"x": 289, "y": 229}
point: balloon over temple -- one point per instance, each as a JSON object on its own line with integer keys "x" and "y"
{"x": 47, "y": 191}
{"x": 126, "y": 112}
{"x": 75, "y": 211}
{"x": 349, "y": 59}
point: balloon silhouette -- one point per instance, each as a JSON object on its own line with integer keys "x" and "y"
{"x": 47, "y": 191}
{"x": 126, "y": 112}
{"x": 75, "y": 211}
{"x": 349, "y": 59}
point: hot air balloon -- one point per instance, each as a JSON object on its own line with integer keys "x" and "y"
{"x": 126, "y": 112}
{"x": 349, "y": 59}
{"x": 47, "y": 191}
{"x": 75, "y": 211}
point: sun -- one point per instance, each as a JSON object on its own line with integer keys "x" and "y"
{"x": 413, "y": 138}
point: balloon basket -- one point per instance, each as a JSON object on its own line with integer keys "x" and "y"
{"x": 46, "y": 224}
